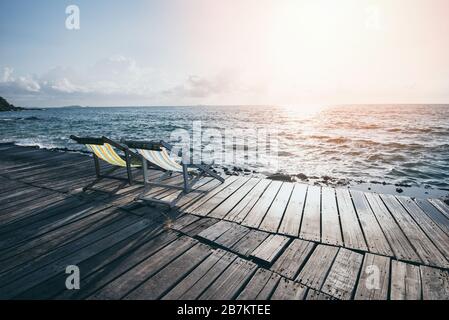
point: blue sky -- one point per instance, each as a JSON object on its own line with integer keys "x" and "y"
{"x": 178, "y": 52}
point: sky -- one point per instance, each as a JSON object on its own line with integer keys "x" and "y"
{"x": 233, "y": 52}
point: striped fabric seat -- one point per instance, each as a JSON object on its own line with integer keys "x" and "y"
{"x": 161, "y": 159}
{"x": 106, "y": 153}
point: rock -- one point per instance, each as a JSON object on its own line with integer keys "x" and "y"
{"x": 301, "y": 176}
{"x": 280, "y": 177}
{"x": 399, "y": 190}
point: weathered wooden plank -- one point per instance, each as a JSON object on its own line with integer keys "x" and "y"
{"x": 398, "y": 241}
{"x": 215, "y": 230}
{"x": 438, "y": 237}
{"x": 241, "y": 210}
{"x": 261, "y": 286}
{"x": 375, "y": 238}
{"x": 189, "y": 199}
{"x": 200, "y": 279}
{"x": 435, "y": 214}
{"x": 311, "y": 217}
{"x": 405, "y": 281}
{"x": 25, "y": 282}
{"x": 213, "y": 202}
{"x": 104, "y": 266}
{"x": 317, "y": 295}
{"x": 317, "y": 266}
{"x": 232, "y": 236}
{"x": 274, "y": 215}
{"x": 228, "y": 284}
{"x": 374, "y": 278}
{"x": 256, "y": 214}
{"x": 170, "y": 275}
{"x": 198, "y": 226}
{"x": 352, "y": 232}
{"x": 289, "y": 290}
{"x": 249, "y": 242}
{"x": 435, "y": 283}
{"x": 183, "y": 221}
{"x": 270, "y": 249}
{"x": 440, "y": 205}
{"x": 330, "y": 221}
{"x": 191, "y": 206}
{"x": 227, "y": 205}
{"x": 115, "y": 261}
{"x": 422, "y": 244}
{"x": 128, "y": 281}
{"x": 193, "y": 277}
{"x": 342, "y": 278}
{"x": 293, "y": 213}
{"x": 293, "y": 258}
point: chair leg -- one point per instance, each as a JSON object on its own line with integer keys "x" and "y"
{"x": 97, "y": 166}
{"x": 128, "y": 167}
{"x": 186, "y": 178}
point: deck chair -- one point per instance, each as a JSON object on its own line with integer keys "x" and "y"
{"x": 103, "y": 149}
{"x": 156, "y": 155}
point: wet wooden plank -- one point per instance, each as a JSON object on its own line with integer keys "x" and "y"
{"x": 405, "y": 281}
{"x": 352, "y": 232}
{"x": 441, "y": 206}
{"x": 227, "y": 205}
{"x": 439, "y": 218}
{"x": 170, "y": 275}
{"x": 330, "y": 221}
{"x": 311, "y": 217}
{"x": 398, "y": 241}
{"x": 317, "y": 266}
{"x": 374, "y": 278}
{"x": 261, "y": 286}
{"x": 435, "y": 283}
{"x": 422, "y": 244}
{"x": 257, "y": 213}
{"x": 438, "y": 237}
{"x": 241, "y": 210}
{"x": 270, "y": 249}
{"x": 293, "y": 259}
{"x": 293, "y": 213}
{"x": 274, "y": 215}
{"x": 228, "y": 285}
{"x": 191, "y": 287}
{"x": 376, "y": 240}
{"x": 289, "y": 290}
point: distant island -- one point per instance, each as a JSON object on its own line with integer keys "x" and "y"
{"x": 6, "y": 106}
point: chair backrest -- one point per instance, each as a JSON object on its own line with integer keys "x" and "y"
{"x": 106, "y": 153}
{"x": 161, "y": 159}
{"x": 101, "y": 149}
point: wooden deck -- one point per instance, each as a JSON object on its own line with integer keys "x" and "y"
{"x": 245, "y": 239}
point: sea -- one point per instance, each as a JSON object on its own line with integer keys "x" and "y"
{"x": 398, "y": 145}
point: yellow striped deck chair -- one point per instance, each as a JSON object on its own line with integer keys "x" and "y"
{"x": 105, "y": 149}
{"x": 157, "y": 155}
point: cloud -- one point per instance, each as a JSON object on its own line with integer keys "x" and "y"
{"x": 121, "y": 81}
